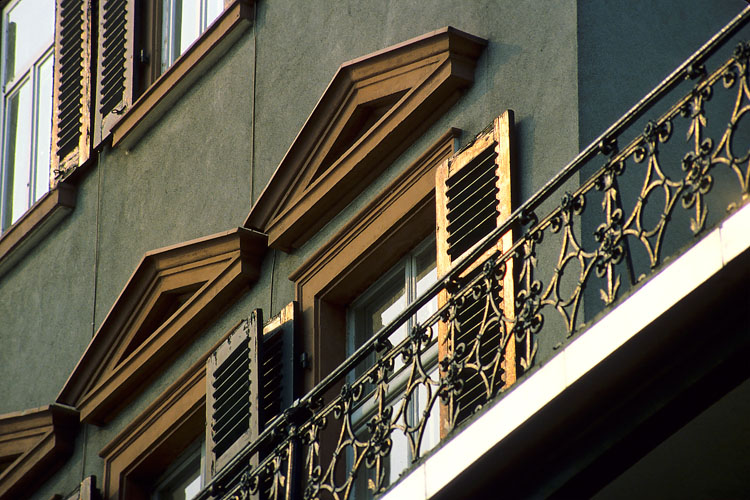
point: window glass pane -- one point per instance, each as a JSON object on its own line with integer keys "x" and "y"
{"x": 18, "y": 151}
{"x": 188, "y": 24}
{"x": 182, "y": 480}
{"x": 374, "y": 309}
{"x": 30, "y": 29}
{"x": 213, "y": 9}
{"x": 44, "y": 128}
{"x": 426, "y": 276}
{"x": 389, "y": 301}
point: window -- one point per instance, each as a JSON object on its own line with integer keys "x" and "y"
{"x": 166, "y": 28}
{"x": 375, "y": 308}
{"x": 185, "y": 477}
{"x": 150, "y": 52}
{"x": 182, "y": 22}
{"x": 28, "y": 30}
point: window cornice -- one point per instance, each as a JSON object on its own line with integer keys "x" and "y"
{"x": 396, "y": 220}
{"x": 177, "y": 414}
{"x": 41, "y": 439}
{"x": 374, "y": 107}
{"x": 171, "y": 295}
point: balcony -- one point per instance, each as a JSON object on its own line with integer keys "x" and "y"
{"x": 588, "y": 304}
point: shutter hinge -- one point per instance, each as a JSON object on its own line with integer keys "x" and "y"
{"x": 304, "y": 361}
{"x": 143, "y": 57}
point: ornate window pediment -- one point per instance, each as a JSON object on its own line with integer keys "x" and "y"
{"x": 374, "y": 107}
{"x": 32, "y": 444}
{"x": 171, "y": 295}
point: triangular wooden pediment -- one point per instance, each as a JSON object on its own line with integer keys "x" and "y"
{"x": 33, "y": 444}
{"x": 172, "y": 293}
{"x": 374, "y": 107}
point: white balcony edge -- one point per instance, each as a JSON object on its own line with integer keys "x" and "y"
{"x": 659, "y": 294}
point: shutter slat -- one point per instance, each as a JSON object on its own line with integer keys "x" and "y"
{"x": 471, "y": 203}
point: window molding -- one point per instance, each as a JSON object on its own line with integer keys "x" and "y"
{"x": 173, "y": 293}
{"x": 400, "y": 217}
{"x": 152, "y": 440}
{"x": 162, "y": 94}
{"x": 41, "y": 439}
{"x": 42, "y": 218}
{"x": 373, "y": 109}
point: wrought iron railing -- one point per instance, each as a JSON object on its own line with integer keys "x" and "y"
{"x": 657, "y": 179}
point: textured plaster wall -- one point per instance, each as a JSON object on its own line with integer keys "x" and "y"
{"x": 191, "y": 175}
{"x": 626, "y": 47}
{"x": 46, "y": 309}
{"x": 187, "y": 178}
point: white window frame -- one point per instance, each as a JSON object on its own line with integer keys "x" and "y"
{"x": 180, "y": 465}
{"x": 169, "y": 51}
{"x": 8, "y": 89}
{"x": 367, "y": 408}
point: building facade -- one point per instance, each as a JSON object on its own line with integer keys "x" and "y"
{"x": 312, "y": 249}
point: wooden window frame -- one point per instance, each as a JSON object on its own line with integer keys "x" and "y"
{"x": 500, "y": 136}
{"x": 117, "y": 363}
{"x": 399, "y": 218}
{"x": 25, "y": 76}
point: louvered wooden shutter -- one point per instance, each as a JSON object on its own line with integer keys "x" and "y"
{"x": 71, "y": 124}
{"x": 278, "y": 377}
{"x": 114, "y": 93}
{"x": 278, "y": 366}
{"x": 232, "y": 409}
{"x": 473, "y": 194}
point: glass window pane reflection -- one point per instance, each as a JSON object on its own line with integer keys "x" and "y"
{"x": 30, "y": 29}
{"x": 183, "y": 22}
{"x": 18, "y": 151}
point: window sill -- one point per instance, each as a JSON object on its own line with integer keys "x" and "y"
{"x": 41, "y": 218}
{"x": 173, "y": 83}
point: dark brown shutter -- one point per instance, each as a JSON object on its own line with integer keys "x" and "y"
{"x": 232, "y": 410}
{"x": 71, "y": 124}
{"x": 473, "y": 194}
{"x": 278, "y": 373}
{"x": 278, "y": 377}
{"x": 115, "y": 75}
